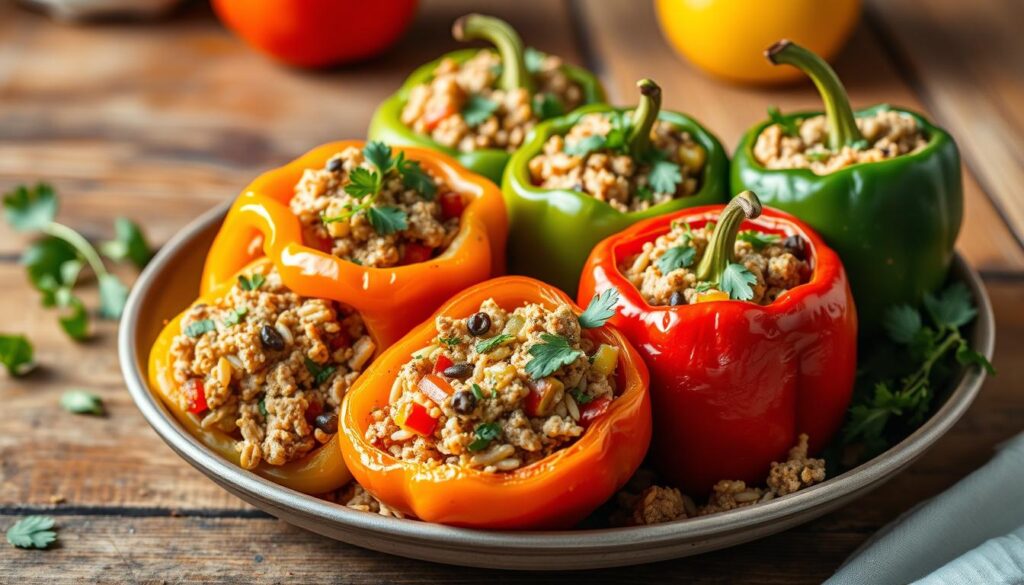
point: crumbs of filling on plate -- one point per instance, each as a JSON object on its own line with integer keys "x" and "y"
{"x": 887, "y": 134}
{"x": 665, "y": 270}
{"x": 375, "y": 209}
{"x": 591, "y": 159}
{"x": 642, "y": 502}
{"x": 497, "y": 390}
{"x": 461, "y": 108}
{"x": 268, "y": 367}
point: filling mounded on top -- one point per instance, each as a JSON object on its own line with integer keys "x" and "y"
{"x": 268, "y": 367}
{"x": 499, "y": 389}
{"x": 374, "y": 209}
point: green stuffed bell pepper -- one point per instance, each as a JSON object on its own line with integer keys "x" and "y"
{"x": 585, "y": 176}
{"x": 477, "y": 105}
{"x": 881, "y": 185}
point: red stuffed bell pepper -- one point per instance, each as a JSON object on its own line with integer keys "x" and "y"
{"x": 750, "y": 336}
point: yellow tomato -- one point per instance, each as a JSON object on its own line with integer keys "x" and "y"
{"x": 727, "y": 38}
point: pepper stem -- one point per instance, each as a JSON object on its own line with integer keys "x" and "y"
{"x": 842, "y": 126}
{"x": 644, "y": 116}
{"x": 721, "y": 250}
{"x": 499, "y": 33}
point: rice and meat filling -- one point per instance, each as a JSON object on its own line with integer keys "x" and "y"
{"x": 376, "y": 210}
{"x": 268, "y": 367}
{"x": 887, "y": 134}
{"x": 592, "y": 158}
{"x": 461, "y": 108}
{"x": 665, "y": 271}
{"x": 497, "y": 390}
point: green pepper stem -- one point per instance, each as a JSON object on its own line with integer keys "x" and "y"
{"x": 721, "y": 250}
{"x": 499, "y": 33}
{"x": 644, "y": 116}
{"x": 842, "y": 126}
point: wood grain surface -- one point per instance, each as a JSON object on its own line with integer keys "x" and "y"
{"x": 159, "y": 122}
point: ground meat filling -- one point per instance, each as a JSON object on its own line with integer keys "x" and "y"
{"x": 665, "y": 271}
{"x": 887, "y": 133}
{"x": 399, "y": 225}
{"x": 461, "y": 108}
{"x": 478, "y": 398}
{"x": 268, "y": 367}
{"x": 615, "y": 177}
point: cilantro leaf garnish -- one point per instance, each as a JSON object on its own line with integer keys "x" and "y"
{"x": 250, "y": 283}
{"x": 488, "y": 345}
{"x": 477, "y": 391}
{"x": 615, "y": 140}
{"x": 129, "y": 243}
{"x": 320, "y": 373}
{"x": 262, "y": 405}
{"x": 547, "y": 105}
{"x": 738, "y": 282}
{"x": 600, "y": 309}
{"x": 32, "y": 532}
{"x": 664, "y": 176}
{"x": 788, "y": 125}
{"x": 197, "y": 328}
{"x": 113, "y": 296}
{"x": 817, "y": 155}
{"x": 485, "y": 433}
{"x": 235, "y": 316}
{"x": 16, "y": 354}
{"x": 757, "y": 239}
{"x": 860, "y": 144}
{"x": 533, "y": 59}
{"x": 73, "y": 318}
{"x": 387, "y": 220}
{"x": 902, "y": 323}
{"x": 81, "y": 402}
{"x": 580, "y": 397}
{"x": 477, "y": 110}
{"x": 703, "y": 286}
{"x": 379, "y": 155}
{"x": 363, "y": 182}
{"x": 675, "y": 258}
{"x": 450, "y": 340}
{"x": 30, "y": 208}
{"x": 585, "y": 146}
{"x": 415, "y": 178}
{"x": 552, "y": 353}
{"x": 952, "y": 307}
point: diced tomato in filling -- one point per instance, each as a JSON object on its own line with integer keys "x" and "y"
{"x": 414, "y": 418}
{"x": 339, "y": 340}
{"x": 319, "y": 241}
{"x": 314, "y": 410}
{"x": 452, "y": 205}
{"x": 415, "y": 253}
{"x": 195, "y": 394}
{"x": 443, "y": 363}
{"x": 435, "y": 113}
{"x": 435, "y": 388}
{"x": 593, "y": 410}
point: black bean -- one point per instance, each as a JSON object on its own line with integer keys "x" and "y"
{"x": 327, "y": 422}
{"x": 796, "y": 246}
{"x": 271, "y": 338}
{"x": 677, "y": 298}
{"x": 479, "y": 323}
{"x": 463, "y": 402}
{"x": 458, "y": 371}
{"x": 334, "y": 165}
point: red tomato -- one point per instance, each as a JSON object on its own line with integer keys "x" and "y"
{"x": 452, "y": 205}
{"x": 414, "y": 417}
{"x": 592, "y": 410}
{"x": 442, "y": 363}
{"x": 314, "y": 410}
{"x": 434, "y": 114}
{"x": 195, "y": 393}
{"x": 415, "y": 253}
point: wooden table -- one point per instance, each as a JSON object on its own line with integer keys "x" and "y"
{"x": 160, "y": 122}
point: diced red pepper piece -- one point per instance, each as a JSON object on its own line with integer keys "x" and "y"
{"x": 319, "y": 241}
{"x": 415, "y": 253}
{"x": 435, "y": 113}
{"x": 591, "y": 411}
{"x": 452, "y": 205}
{"x": 339, "y": 340}
{"x": 195, "y": 393}
{"x": 443, "y": 363}
{"x": 314, "y": 410}
{"x": 413, "y": 417}
{"x": 541, "y": 399}
{"x": 435, "y": 388}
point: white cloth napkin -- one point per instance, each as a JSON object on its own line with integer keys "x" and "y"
{"x": 971, "y": 533}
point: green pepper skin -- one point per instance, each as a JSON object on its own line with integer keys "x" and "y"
{"x": 893, "y": 223}
{"x": 551, "y": 232}
{"x": 386, "y": 124}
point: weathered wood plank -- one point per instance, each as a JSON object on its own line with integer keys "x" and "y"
{"x": 626, "y": 39}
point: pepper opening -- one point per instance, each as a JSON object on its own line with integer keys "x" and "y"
{"x": 514, "y": 74}
{"x": 644, "y": 116}
{"x": 721, "y": 250}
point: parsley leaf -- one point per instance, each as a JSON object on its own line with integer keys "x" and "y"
{"x": 74, "y": 319}
{"x": 30, "y": 208}
{"x": 113, "y": 296}
{"x": 253, "y": 282}
{"x": 664, "y": 176}
{"x": 585, "y": 146}
{"x": 676, "y": 258}
{"x": 387, "y": 220}
{"x": 477, "y": 391}
{"x": 262, "y": 405}
{"x": 379, "y": 155}
{"x": 129, "y": 243}
{"x": 320, "y": 373}
{"x": 16, "y": 354}
{"x": 197, "y": 328}
{"x": 738, "y": 282}
{"x": 902, "y": 323}
{"x": 967, "y": 356}
{"x": 616, "y": 138}
{"x": 450, "y": 340}
{"x": 533, "y": 59}
{"x": 32, "y": 532}
{"x": 600, "y": 309}
{"x": 45, "y": 262}
{"x": 235, "y": 317}
{"x": 757, "y": 239}
{"x": 859, "y": 144}
{"x": 547, "y": 105}
{"x": 485, "y": 433}
{"x": 362, "y": 182}
{"x": 789, "y": 127}
{"x": 488, "y": 345}
{"x": 81, "y": 402}
{"x": 644, "y": 193}
{"x": 952, "y": 307}
{"x": 817, "y": 155}
{"x": 552, "y": 353}
{"x": 580, "y": 397}
{"x": 703, "y": 286}
{"x": 415, "y": 178}
{"x": 477, "y": 110}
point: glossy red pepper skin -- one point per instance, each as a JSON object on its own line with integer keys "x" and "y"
{"x": 734, "y": 383}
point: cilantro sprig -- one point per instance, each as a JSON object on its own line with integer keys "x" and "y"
{"x": 675, "y": 258}
{"x": 788, "y": 125}
{"x": 477, "y": 109}
{"x": 738, "y": 282}
{"x": 320, "y": 373}
{"x": 599, "y": 310}
{"x": 551, "y": 353}
{"x": 757, "y": 239}
{"x": 16, "y": 354}
{"x": 484, "y": 433}
{"x": 82, "y": 402}
{"x": 32, "y": 532}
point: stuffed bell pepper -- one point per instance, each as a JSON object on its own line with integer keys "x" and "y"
{"x": 509, "y": 410}
{"x": 477, "y": 105}
{"x": 369, "y": 227}
{"x": 748, "y": 326}
{"x": 595, "y": 172}
{"x": 881, "y": 185}
{"x": 256, "y": 372}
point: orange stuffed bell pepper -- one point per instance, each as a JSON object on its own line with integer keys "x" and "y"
{"x": 256, "y": 373}
{"x": 369, "y": 227}
{"x": 510, "y": 410}
{"x": 747, "y": 322}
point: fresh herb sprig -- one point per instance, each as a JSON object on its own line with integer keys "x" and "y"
{"x": 675, "y": 258}
{"x": 484, "y": 434}
{"x": 550, "y": 354}
{"x": 599, "y": 310}
{"x": 757, "y": 239}
{"x": 32, "y": 532}
{"x": 16, "y": 354}
{"x": 788, "y": 125}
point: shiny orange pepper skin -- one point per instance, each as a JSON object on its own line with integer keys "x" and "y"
{"x": 319, "y": 472}
{"x": 391, "y": 300}
{"x": 556, "y": 492}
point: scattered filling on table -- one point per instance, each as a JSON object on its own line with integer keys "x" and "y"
{"x": 665, "y": 271}
{"x": 803, "y": 144}
{"x": 356, "y": 497}
{"x": 375, "y": 209}
{"x": 642, "y": 502}
{"x": 461, "y": 107}
{"x": 593, "y": 158}
{"x": 268, "y": 366}
{"x": 499, "y": 389}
